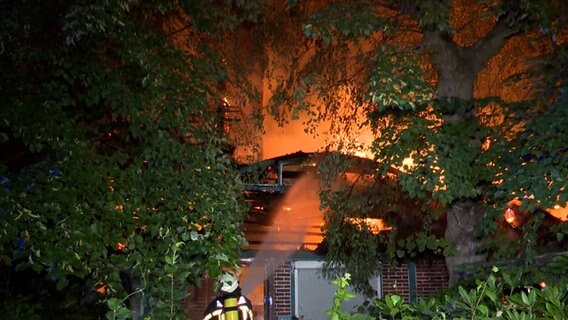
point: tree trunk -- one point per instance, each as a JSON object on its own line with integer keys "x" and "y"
{"x": 463, "y": 219}
{"x": 457, "y": 69}
{"x": 456, "y": 79}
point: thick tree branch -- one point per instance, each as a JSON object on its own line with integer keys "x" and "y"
{"x": 445, "y": 53}
{"x": 493, "y": 41}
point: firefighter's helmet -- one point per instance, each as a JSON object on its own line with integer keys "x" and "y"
{"x": 227, "y": 282}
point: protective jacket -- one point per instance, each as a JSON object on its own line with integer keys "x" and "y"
{"x": 229, "y": 306}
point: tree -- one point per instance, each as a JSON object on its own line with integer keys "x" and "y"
{"x": 113, "y": 169}
{"x": 413, "y": 71}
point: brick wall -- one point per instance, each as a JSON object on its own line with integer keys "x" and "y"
{"x": 395, "y": 280}
{"x": 282, "y": 290}
{"x": 199, "y": 298}
{"x": 431, "y": 275}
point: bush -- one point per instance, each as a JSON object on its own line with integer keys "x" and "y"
{"x": 500, "y": 296}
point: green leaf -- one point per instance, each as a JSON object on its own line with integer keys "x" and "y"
{"x": 483, "y": 309}
{"x": 114, "y": 304}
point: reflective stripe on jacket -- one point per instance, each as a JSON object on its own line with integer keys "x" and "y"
{"x": 218, "y": 311}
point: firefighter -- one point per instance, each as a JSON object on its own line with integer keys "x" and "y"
{"x": 229, "y": 304}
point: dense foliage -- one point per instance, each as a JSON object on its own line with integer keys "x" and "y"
{"x": 116, "y": 184}
{"x": 442, "y": 83}
{"x": 114, "y": 181}
{"x": 501, "y": 295}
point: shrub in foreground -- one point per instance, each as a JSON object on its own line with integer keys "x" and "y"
{"x": 500, "y": 296}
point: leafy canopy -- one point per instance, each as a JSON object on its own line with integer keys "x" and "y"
{"x": 406, "y": 71}
{"x": 112, "y": 165}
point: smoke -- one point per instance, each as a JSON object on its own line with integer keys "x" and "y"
{"x": 298, "y": 211}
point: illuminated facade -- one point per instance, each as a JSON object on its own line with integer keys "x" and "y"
{"x": 282, "y": 262}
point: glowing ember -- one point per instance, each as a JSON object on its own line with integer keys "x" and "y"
{"x": 120, "y": 246}
{"x": 510, "y": 216}
{"x": 100, "y": 289}
{"x": 559, "y": 212}
{"x": 374, "y": 225}
{"x": 556, "y": 211}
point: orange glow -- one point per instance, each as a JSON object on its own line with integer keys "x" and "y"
{"x": 497, "y": 182}
{"x": 310, "y": 247}
{"x": 119, "y": 207}
{"x": 300, "y": 134}
{"x": 100, "y": 289}
{"x": 297, "y": 221}
{"x": 256, "y": 294}
{"x": 510, "y": 216}
{"x": 374, "y": 225}
{"x": 407, "y": 165}
{"x": 557, "y": 211}
{"x": 408, "y": 162}
{"x": 542, "y": 284}
{"x": 486, "y": 144}
{"x": 120, "y": 246}
{"x": 560, "y": 212}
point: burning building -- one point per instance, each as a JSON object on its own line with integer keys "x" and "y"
{"x": 282, "y": 264}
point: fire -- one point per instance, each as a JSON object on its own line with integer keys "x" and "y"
{"x": 408, "y": 162}
{"x": 560, "y": 212}
{"x": 301, "y": 133}
{"x": 515, "y": 218}
{"x": 373, "y": 224}
{"x": 120, "y": 246}
{"x": 100, "y": 288}
{"x": 511, "y": 217}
